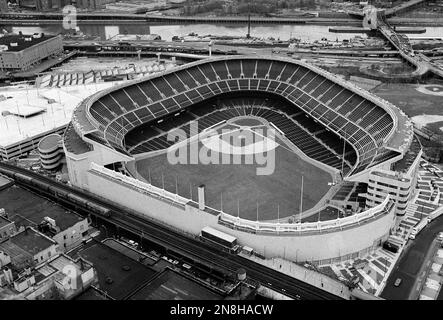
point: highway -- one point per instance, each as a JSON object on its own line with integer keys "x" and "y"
{"x": 173, "y": 240}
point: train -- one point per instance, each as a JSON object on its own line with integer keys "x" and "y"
{"x": 59, "y": 192}
{"x": 135, "y": 47}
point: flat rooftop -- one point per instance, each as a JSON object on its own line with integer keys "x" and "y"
{"x": 405, "y": 163}
{"x": 50, "y": 141}
{"x": 129, "y": 252}
{"x": 4, "y": 182}
{"x": 18, "y": 255}
{"x": 171, "y": 285}
{"x": 390, "y": 176}
{"x": 118, "y": 275}
{"x": 91, "y": 294}
{"x": 4, "y": 222}
{"x": 28, "y": 209}
{"x": 404, "y": 132}
{"x": 56, "y": 106}
{"x": 23, "y": 41}
{"x": 31, "y": 241}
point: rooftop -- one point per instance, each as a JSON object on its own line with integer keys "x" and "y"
{"x": 22, "y": 41}
{"x": 119, "y": 276}
{"x": 27, "y": 209}
{"x": 405, "y": 163}
{"x": 398, "y": 177}
{"x": 59, "y": 264}
{"x": 4, "y": 182}
{"x": 91, "y": 294}
{"x": 18, "y": 255}
{"x": 50, "y": 141}
{"x": 57, "y": 105}
{"x": 31, "y": 241}
{"x": 4, "y": 222}
{"x": 170, "y": 285}
{"x": 404, "y": 130}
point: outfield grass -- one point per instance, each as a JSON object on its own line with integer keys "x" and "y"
{"x": 239, "y": 183}
{"x": 407, "y": 98}
{"x": 328, "y": 213}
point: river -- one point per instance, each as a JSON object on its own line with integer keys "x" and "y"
{"x": 284, "y": 32}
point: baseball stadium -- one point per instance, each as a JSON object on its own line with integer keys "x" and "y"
{"x": 282, "y": 155}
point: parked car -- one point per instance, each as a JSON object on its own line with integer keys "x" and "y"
{"x": 397, "y": 282}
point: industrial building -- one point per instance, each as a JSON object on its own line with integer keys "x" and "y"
{"x": 19, "y": 52}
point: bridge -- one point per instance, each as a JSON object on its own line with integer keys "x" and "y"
{"x": 402, "y": 44}
{"x": 376, "y": 20}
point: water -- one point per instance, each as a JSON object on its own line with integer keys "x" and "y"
{"x": 284, "y": 32}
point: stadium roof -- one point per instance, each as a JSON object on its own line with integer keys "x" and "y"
{"x": 29, "y": 241}
{"x": 17, "y": 128}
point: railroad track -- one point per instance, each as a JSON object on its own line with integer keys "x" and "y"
{"x": 187, "y": 246}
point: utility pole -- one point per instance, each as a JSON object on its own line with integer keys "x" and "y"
{"x": 343, "y": 156}
{"x": 248, "y": 35}
{"x": 301, "y": 197}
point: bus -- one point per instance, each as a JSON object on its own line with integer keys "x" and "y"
{"x": 219, "y": 238}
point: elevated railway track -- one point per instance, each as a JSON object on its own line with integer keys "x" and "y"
{"x": 173, "y": 240}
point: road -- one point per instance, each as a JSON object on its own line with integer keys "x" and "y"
{"x": 410, "y": 264}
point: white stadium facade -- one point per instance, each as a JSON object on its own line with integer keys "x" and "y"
{"x": 381, "y": 152}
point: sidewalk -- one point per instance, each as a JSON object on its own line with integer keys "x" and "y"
{"x": 307, "y": 275}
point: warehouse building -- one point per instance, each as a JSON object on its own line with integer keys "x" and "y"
{"x": 20, "y": 52}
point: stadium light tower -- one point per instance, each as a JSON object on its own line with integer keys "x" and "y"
{"x": 257, "y": 211}
{"x": 210, "y": 44}
{"x": 301, "y": 197}
{"x": 343, "y": 156}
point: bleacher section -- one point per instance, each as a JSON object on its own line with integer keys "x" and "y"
{"x": 344, "y": 191}
{"x": 361, "y": 188}
{"x": 361, "y": 122}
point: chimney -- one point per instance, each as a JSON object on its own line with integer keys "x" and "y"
{"x": 201, "y": 197}
{"x": 8, "y": 275}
